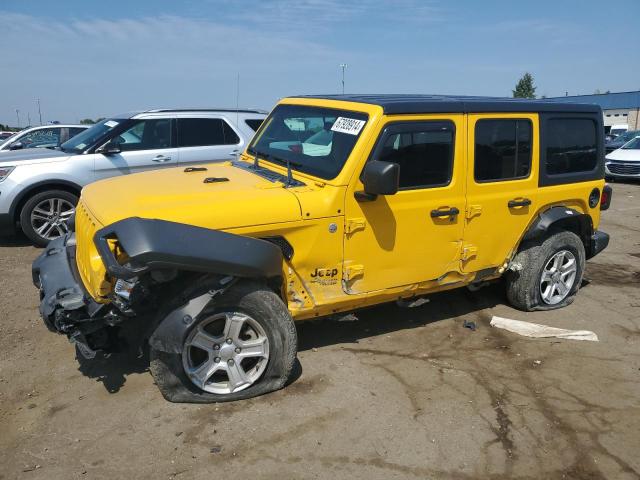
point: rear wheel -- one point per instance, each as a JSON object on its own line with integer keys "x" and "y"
{"x": 242, "y": 345}
{"x": 44, "y": 216}
{"x": 548, "y": 273}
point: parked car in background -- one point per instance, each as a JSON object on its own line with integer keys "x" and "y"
{"x": 5, "y": 135}
{"x": 616, "y": 130}
{"x": 46, "y": 136}
{"x": 620, "y": 140}
{"x": 625, "y": 161}
{"x": 39, "y": 188}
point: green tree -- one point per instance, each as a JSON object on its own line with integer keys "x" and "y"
{"x": 525, "y": 87}
{"x": 86, "y": 121}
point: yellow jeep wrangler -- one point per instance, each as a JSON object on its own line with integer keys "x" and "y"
{"x": 339, "y": 202}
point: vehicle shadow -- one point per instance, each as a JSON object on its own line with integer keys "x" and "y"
{"x": 390, "y": 317}
{"x": 113, "y": 369}
{"x": 15, "y": 241}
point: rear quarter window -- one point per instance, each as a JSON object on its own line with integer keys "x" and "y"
{"x": 254, "y": 123}
{"x": 572, "y": 146}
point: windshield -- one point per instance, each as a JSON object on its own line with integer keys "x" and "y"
{"x": 90, "y": 136}
{"x": 314, "y": 140}
{"x": 632, "y": 145}
{"x": 626, "y": 136}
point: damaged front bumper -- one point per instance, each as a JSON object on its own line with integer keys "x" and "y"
{"x": 65, "y": 306}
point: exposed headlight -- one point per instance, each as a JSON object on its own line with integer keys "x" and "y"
{"x": 4, "y": 172}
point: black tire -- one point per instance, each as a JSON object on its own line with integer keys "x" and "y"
{"x": 250, "y": 298}
{"x": 28, "y": 207}
{"x": 523, "y": 284}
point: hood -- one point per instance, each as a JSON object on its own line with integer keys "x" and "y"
{"x": 626, "y": 155}
{"x": 10, "y": 157}
{"x": 173, "y": 194}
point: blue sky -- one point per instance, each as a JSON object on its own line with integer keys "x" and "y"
{"x": 88, "y": 58}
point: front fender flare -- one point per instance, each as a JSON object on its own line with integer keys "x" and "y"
{"x": 159, "y": 244}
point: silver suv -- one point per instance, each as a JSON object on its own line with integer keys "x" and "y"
{"x": 39, "y": 188}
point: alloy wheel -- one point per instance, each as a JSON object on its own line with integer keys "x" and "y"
{"x": 558, "y": 277}
{"x": 49, "y": 217}
{"x": 225, "y": 353}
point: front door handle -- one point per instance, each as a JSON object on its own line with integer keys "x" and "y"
{"x": 444, "y": 213}
{"x": 524, "y": 202}
{"x": 161, "y": 159}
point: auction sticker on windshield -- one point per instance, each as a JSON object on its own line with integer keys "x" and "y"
{"x": 110, "y": 123}
{"x": 351, "y": 126}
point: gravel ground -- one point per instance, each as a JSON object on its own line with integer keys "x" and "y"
{"x": 396, "y": 393}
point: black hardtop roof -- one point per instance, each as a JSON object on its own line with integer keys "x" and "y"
{"x": 406, "y": 103}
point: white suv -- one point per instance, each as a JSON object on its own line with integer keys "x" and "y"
{"x": 45, "y": 136}
{"x": 39, "y": 188}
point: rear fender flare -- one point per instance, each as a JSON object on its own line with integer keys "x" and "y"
{"x": 568, "y": 218}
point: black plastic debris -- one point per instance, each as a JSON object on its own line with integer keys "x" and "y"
{"x": 470, "y": 325}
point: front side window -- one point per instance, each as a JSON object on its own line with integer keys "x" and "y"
{"x": 424, "y": 151}
{"x": 44, "y": 137}
{"x": 502, "y": 150}
{"x": 146, "y": 135}
{"x": 202, "y": 132}
{"x": 571, "y": 145}
{"x": 313, "y": 140}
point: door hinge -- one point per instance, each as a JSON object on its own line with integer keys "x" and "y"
{"x": 473, "y": 210}
{"x": 353, "y": 271}
{"x": 355, "y": 224}
{"x": 468, "y": 252}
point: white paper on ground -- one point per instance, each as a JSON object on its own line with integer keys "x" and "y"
{"x": 536, "y": 330}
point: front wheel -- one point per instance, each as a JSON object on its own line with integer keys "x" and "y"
{"x": 242, "y": 345}
{"x": 548, "y": 274}
{"x": 44, "y": 216}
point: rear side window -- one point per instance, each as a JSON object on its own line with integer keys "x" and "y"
{"x": 571, "y": 145}
{"x": 73, "y": 131}
{"x": 502, "y": 150}
{"x": 254, "y": 124}
{"x": 424, "y": 151}
{"x": 200, "y": 132}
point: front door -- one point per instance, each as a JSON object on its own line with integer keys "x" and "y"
{"x": 502, "y": 183}
{"x": 147, "y": 145}
{"x": 414, "y": 235}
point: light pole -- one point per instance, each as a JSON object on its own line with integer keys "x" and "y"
{"x": 18, "y": 117}
{"x": 343, "y": 66}
{"x": 39, "y": 112}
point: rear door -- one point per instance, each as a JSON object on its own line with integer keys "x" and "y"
{"x": 416, "y": 234}
{"x": 146, "y": 145}
{"x": 209, "y": 139}
{"x": 502, "y": 186}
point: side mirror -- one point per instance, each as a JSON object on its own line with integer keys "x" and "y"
{"x": 379, "y": 178}
{"x": 16, "y": 146}
{"x": 110, "y": 148}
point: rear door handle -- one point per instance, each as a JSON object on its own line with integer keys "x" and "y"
{"x": 161, "y": 159}
{"x": 524, "y": 202}
{"x": 234, "y": 153}
{"x": 444, "y": 213}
